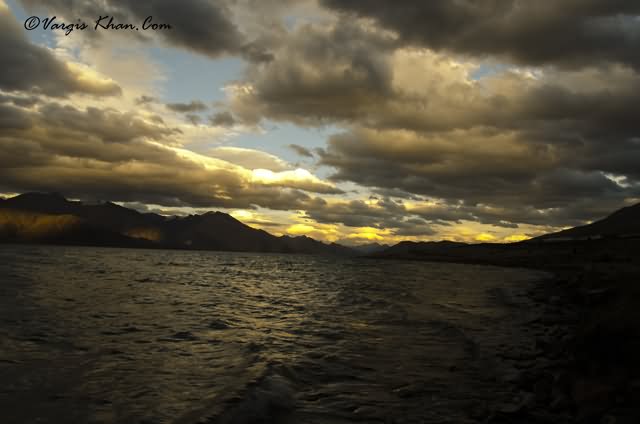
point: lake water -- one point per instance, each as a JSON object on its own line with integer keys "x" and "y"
{"x": 100, "y": 335}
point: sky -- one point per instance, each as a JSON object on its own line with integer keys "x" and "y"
{"x": 342, "y": 120}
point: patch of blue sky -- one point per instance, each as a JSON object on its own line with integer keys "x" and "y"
{"x": 38, "y": 35}
{"x": 488, "y": 69}
{"x": 191, "y": 76}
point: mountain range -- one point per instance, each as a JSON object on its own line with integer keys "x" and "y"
{"x": 615, "y": 238}
{"x": 50, "y": 218}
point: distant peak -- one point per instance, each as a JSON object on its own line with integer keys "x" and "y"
{"x": 37, "y": 194}
{"x": 217, "y": 213}
{"x": 38, "y": 197}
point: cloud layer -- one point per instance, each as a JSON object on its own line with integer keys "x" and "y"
{"x": 502, "y": 114}
{"x": 471, "y": 132}
{"x": 201, "y": 26}
{"x": 568, "y": 33}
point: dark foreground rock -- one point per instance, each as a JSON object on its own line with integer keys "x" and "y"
{"x": 584, "y": 366}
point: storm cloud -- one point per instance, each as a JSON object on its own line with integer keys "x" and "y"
{"x": 204, "y": 27}
{"x": 421, "y": 123}
{"x": 193, "y": 106}
{"x": 567, "y": 33}
{"x": 29, "y": 67}
{"x": 123, "y": 156}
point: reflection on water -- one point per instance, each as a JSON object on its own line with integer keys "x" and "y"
{"x": 138, "y": 336}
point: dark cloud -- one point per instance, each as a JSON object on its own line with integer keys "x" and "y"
{"x": 222, "y": 119}
{"x": 490, "y": 178}
{"x": 419, "y": 126}
{"x": 180, "y": 184}
{"x": 201, "y": 26}
{"x": 569, "y": 33}
{"x": 427, "y": 92}
{"x": 194, "y": 119}
{"x": 145, "y": 99}
{"x": 254, "y": 52}
{"x": 193, "y": 106}
{"x": 107, "y": 125}
{"x": 27, "y": 67}
{"x": 122, "y": 156}
{"x": 319, "y": 74}
{"x": 415, "y": 230}
{"x": 383, "y": 214}
{"x": 300, "y": 150}
{"x": 19, "y": 100}
{"x": 13, "y": 118}
{"x": 428, "y": 218}
{"x": 356, "y": 213}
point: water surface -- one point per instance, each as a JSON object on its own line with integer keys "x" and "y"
{"x": 100, "y": 335}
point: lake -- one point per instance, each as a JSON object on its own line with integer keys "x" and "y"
{"x": 104, "y": 335}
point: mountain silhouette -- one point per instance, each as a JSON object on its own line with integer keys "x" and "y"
{"x": 624, "y": 222}
{"x": 50, "y": 218}
{"x": 420, "y": 248}
{"x": 615, "y": 238}
{"x": 370, "y": 248}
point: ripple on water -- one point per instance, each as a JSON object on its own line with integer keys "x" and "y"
{"x": 182, "y": 337}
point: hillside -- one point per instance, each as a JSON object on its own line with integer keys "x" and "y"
{"x": 624, "y": 222}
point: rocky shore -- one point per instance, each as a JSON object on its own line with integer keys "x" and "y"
{"x": 583, "y": 366}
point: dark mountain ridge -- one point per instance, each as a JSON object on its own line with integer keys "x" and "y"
{"x": 615, "y": 238}
{"x": 624, "y": 222}
{"x": 370, "y": 248}
{"x": 50, "y": 218}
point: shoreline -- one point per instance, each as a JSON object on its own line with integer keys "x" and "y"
{"x": 541, "y": 378}
{"x": 584, "y": 366}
